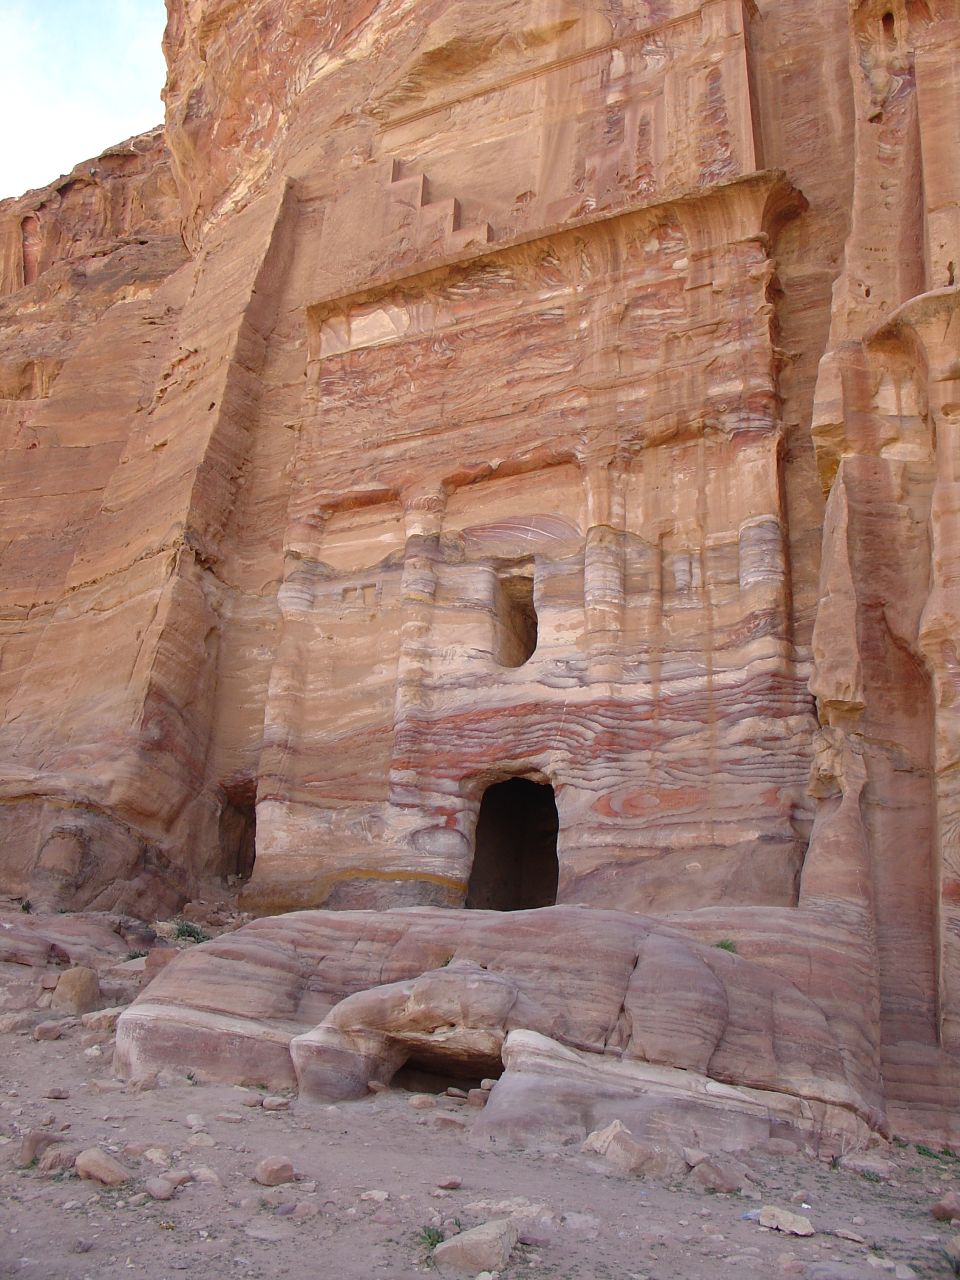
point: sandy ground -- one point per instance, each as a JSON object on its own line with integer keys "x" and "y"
{"x": 368, "y": 1192}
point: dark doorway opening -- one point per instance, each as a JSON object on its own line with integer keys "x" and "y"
{"x": 515, "y": 860}
{"x": 238, "y": 829}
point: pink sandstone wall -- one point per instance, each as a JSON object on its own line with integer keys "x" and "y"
{"x": 647, "y": 307}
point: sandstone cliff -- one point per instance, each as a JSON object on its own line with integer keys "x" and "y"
{"x": 539, "y": 391}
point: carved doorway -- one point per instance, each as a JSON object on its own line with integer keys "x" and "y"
{"x": 515, "y": 864}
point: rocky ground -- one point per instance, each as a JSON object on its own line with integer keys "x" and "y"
{"x": 223, "y": 1181}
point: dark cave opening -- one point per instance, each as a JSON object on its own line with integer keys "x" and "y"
{"x": 515, "y": 864}
{"x": 424, "y": 1076}
{"x": 238, "y": 830}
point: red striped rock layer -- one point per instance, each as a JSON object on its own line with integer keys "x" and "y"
{"x": 488, "y": 308}
{"x": 444, "y": 988}
{"x": 642, "y": 501}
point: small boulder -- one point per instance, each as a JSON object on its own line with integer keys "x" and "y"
{"x": 273, "y": 1103}
{"x": 449, "y": 1122}
{"x": 947, "y": 1207}
{"x": 870, "y": 1166}
{"x": 47, "y": 1031}
{"x": 844, "y": 1233}
{"x": 617, "y": 1145}
{"x": 274, "y": 1171}
{"x": 78, "y": 991}
{"x": 102, "y": 1019}
{"x": 725, "y": 1175}
{"x": 792, "y": 1224}
{"x": 33, "y": 1145}
{"x": 100, "y": 1166}
{"x": 422, "y": 1101}
{"x": 694, "y": 1156}
{"x": 160, "y": 1188}
{"x": 952, "y": 1251}
{"x": 484, "y": 1248}
{"x": 57, "y": 1158}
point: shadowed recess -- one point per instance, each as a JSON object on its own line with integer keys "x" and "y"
{"x": 517, "y": 626}
{"x": 515, "y": 863}
{"x": 238, "y": 829}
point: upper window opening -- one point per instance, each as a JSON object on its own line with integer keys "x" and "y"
{"x": 516, "y": 618}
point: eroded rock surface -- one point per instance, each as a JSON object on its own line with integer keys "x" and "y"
{"x": 557, "y": 398}
{"x": 334, "y": 1001}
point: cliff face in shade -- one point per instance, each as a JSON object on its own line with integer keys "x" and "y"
{"x": 538, "y": 389}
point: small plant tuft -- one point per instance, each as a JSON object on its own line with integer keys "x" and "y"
{"x": 137, "y": 955}
{"x": 430, "y": 1237}
{"x": 187, "y": 931}
{"x": 727, "y": 944}
{"x": 26, "y": 905}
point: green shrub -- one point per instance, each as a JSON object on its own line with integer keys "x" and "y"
{"x": 189, "y": 932}
{"x": 430, "y": 1237}
{"x": 727, "y": 944}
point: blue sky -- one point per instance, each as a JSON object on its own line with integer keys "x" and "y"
{"x": 75, "y": 77}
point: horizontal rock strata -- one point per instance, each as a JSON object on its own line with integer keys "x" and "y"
{"x": 493, "y": 455}
{"x": 334, "y": 1001}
